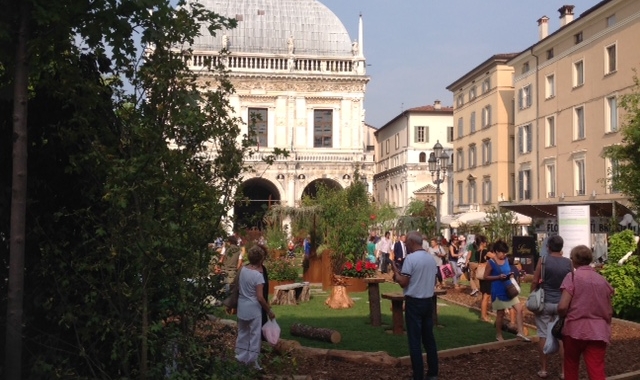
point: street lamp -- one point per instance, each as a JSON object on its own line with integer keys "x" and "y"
{"x": 438, "y": 165}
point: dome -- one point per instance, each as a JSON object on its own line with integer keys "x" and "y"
{"x": 306, "y": 27}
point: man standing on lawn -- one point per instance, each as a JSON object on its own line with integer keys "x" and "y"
{"x": 417, "y": 279}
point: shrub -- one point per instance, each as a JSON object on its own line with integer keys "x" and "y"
{"x": 281, "y": 269}
{"x": 625, "y": 278}
{"x": 361, "y": 269}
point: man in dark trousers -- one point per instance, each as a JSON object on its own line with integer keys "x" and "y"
{"x": 417, "y": 279}
{"x": 400, "y": 250}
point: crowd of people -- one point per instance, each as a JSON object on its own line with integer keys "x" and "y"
{"x": 573, "y": 290}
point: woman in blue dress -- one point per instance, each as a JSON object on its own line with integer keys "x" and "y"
{"x": 499, "y": 272}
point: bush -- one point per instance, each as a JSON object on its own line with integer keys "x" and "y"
{"x": 281, "y": 269}
{"x": 625, "y": 278}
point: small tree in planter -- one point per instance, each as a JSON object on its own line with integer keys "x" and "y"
{"x": 345, "y": 217}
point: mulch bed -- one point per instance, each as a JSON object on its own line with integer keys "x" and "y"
{"x": 514, "y": 363}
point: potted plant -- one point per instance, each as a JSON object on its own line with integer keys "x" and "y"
{"x": 276, "y": 241}
{"x": 356, "y": 272}
{"x": 281, "y": 271}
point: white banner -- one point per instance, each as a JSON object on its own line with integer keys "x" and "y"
{"x": 574, "y": 225}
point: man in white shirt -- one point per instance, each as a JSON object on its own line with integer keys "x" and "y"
{"x": 417, "y": 279}
{"x": 384, "y": 247}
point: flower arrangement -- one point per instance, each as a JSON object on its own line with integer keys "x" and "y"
{"x": 361, "y": 269}
{"x": 281, "y": 269}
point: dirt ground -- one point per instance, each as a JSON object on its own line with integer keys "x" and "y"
{"x": 514, "y": 363}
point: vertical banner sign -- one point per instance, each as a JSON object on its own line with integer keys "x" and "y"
{"x": 525, "y": 252}
{"x": 574, "y": 227}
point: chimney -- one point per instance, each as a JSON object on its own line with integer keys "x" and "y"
{"x": 566, "y": 14}
{"x": 437, "y": 105}
{"x": 543, "y": 27}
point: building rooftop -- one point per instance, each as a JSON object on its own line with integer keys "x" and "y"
{"x": 301, "y": 27}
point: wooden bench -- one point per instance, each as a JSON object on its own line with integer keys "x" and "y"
{"x": 290, "y": 294}
{"x": 397, "y": 306}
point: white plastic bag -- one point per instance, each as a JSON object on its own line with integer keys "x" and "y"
{"x": 515, "y": 283}
{"x": 551, "y": 346}
{"x": 271, "y": 331}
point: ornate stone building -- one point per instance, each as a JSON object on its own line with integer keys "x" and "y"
{"x": 293, "y": 64}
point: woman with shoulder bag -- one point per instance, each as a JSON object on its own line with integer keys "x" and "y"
{"x": 555, "y": 270}
{"x": 454, "y": 255}
{"x": 586, "y": 306}
{"x": 499, "y": 272}
{"x": 250, "y": 302}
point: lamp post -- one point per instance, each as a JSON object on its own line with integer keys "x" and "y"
{"x": 438, "y": 164}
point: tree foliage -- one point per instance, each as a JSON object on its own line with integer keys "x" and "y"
{"x": 344, "y": 220}
{"x": 625, "y": 174}
{"x": 625, "y": 278}
{"x": 419, "y": 215}
{"x": 124, "y": 190}
{"x": 500, "y": 224}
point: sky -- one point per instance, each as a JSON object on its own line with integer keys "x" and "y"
{"x": 416, "y": 48}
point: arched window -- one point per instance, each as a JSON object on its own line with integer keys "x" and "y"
{"x": 423, "y": 157}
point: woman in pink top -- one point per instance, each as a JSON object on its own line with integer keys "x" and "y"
{"x": 586, "y": 304}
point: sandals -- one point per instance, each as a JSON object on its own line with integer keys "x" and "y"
{"x": 525, "y": 339}
{"x": 543, "y": 374}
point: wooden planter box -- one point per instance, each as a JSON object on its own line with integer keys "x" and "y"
{"x": 313, "y": 274}
{"x": 355, "y": 285}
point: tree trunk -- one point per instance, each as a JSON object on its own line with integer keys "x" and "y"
{"x": 339, "y": 299}
{"x": 316, "y": 333}
{"x": 13, "y": 343}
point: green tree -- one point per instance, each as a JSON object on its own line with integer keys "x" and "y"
{"x": 625, "y": 172}
{"x": 127, "y": 193}
{"x": 624, "y": 278}
{"x": 419, "y": 215}
{"x": 624, "y": 176}
{"x": 500, "y": 224}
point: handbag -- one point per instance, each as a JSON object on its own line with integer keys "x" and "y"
{"x": 482, "y": 269}
{"x": 556, "y": 331}
{"x": 535, "y": 302}
{"x": 512, "y": 288}
{"x": 446, "y": 271}
{"x": 231, "y": 302}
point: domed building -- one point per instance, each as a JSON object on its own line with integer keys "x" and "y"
{"x": 300, "y": 81}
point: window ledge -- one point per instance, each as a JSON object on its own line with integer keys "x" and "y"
{"x": 577, "y": 86}
{"x": 579, "y": 139}
{"x": 549, "y": 97}
{"x": 610, "y": 73}
{"x": 611, "y": 132}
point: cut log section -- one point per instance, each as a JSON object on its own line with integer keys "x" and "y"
{"x": 339, "y": 298}
{"x": 290, "y": 294}
{"x": 316, "y": 333}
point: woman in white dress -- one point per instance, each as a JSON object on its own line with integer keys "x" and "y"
{"x": 250, "y": 302}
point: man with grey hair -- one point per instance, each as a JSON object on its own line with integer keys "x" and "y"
{"x": 418, "y": 279}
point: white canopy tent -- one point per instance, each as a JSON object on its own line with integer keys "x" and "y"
{"x": 479, "y": 217}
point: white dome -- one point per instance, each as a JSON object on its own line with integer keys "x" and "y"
{"x": 266, "y": 26}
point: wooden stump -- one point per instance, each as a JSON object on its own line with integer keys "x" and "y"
{"x": 339, "y": 299}
{"x": 316, "y": 333}
{"x": 291, "y": 294}
{"x": 305, "y": 293}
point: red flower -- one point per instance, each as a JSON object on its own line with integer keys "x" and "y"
{"x": 359, "y": 266}
{"x": 349, "y": 265}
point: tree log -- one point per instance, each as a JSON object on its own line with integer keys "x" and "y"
{"x": 316, "y": 333}
{"x": 339, "y": 299}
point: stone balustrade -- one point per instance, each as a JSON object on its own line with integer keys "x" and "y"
{"x": 199, "y": 61}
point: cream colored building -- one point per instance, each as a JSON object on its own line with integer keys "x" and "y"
{"x": 483, "y": 144}
{"x": 567, "y": 96}
{"x": 402, "y": 150}
{"x": 306, "y": 81}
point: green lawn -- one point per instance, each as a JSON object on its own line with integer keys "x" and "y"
{"x": 461, "y": 325}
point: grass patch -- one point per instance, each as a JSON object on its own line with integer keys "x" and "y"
{"x": 461, "y": 325}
